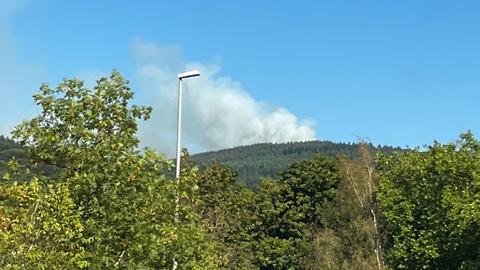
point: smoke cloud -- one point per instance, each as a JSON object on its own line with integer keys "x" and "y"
{"x": 217, "y": 112}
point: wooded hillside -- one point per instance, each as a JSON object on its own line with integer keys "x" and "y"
{"x": 266, "y": 160}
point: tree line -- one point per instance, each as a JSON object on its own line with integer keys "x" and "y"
{"x": 267, "y": 160}
{"x": 107, "y": 205}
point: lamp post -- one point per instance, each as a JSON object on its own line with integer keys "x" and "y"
{"x": 181, "y": 76}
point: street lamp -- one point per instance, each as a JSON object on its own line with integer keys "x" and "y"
{"x": 181, "y": 76}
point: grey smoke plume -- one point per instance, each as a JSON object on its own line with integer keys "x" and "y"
{"x": 218, "y": 112}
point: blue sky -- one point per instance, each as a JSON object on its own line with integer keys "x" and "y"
{"x": 395, "y": 72}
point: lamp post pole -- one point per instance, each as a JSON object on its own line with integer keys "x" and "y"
{"x": 179, "y": 127}
{"x": 181, "y": 76}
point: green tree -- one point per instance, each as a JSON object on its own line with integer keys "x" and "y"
{"x": 347, "y": 235}
{"x": 431, "y": 204}
{"x": 121, "y": 198}
{"x": 288, "y": 209}
{"x": 40, "y": 228}
{"x": 275, "y": 246}
{"x": 226, "y": 209}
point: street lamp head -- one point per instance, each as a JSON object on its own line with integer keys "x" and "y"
{"x": 188, "y": 74}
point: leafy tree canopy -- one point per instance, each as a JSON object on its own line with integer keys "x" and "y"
{"x": 287, "y": 209}
{"x": 110, "y": 207}
{"x": 431, "y": 204}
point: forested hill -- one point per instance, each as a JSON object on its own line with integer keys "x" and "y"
{"x": 9, "y": 149}
{"x": 255, "y": 161}
{"x": 251, "y": 162}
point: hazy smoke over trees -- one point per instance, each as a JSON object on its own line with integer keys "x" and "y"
{"x": 218, "y": 112}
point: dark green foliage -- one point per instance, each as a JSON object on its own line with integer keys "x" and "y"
{"x": 227, "y": 213}
{"x": 431, "y": 204}
{"x": 309, "y": 184}
{"x": 280, "y": 235}
{"x": 10, "y": 150}
{"x": 6, "y": 143}
{"x": 345, "y": 236}
{"x": 287, "y": 209}
{"x": 266, "y": 160}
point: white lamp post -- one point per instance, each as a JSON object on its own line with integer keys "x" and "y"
{"x": 181, "y": 76}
